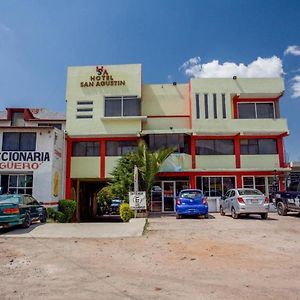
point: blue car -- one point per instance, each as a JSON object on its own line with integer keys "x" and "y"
{"x": 191, "y": 202}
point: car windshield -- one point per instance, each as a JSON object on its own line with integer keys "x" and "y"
{"x": 116, "y": 201}
{"x": 190, "y": 194}
{"x": 244, "y": 192}
{"x": 9, "y": 199}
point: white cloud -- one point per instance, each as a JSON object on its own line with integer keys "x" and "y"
{"x": 261, "y": 67}
{"x": 296, "y": 87}
{"x": 293, "y": 50}
{"x": 191, "y": 62}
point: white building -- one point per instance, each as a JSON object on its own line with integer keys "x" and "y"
{"x": 32, "y": 153}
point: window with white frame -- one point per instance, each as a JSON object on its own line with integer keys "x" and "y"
{"x": 20, "y": 184}
{"x": 215, "y": 186}
{"x": 256, "y": 182}
{"x": 122, "y": 106}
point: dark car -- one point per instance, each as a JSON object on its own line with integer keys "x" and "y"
{"x": 20, "y": 209}
{"x": 191, "y": 202}
{"x": 115, "y": 206}
{"x": 289, "y": 200}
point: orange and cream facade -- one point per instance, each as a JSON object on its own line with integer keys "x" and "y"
{"x": 227, "y": 132}
{"x": 32, "y": 152}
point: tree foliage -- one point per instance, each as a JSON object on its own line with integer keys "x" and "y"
{"x": 148, "y": 164}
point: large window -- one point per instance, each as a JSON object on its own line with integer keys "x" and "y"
{"x": 159, "y": 141}
{"x": 214, "y": 147}
{"x": 256, "y": 111}
{"x": 86, "y": 149}
{"x": 20, "y": 184}
{"x": 122, "y": 106}
{"x": 258, "y": 146}
{"x": 264, "y": 184}
{"x": 215, "y": 186}
{"x": 19, "y": 141}
{"x": 119, "y": 148}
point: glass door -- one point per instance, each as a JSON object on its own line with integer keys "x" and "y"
{"x": 168, "y": 189}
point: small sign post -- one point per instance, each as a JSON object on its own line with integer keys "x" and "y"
{"x": 137, "y": 200}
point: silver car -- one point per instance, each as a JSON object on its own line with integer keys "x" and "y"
{"x": 244, "y": 201}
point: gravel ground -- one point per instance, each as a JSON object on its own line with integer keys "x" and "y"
{"x": 215, "y": 258}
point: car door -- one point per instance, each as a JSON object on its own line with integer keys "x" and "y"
{"x": 225, "y": 201}
{"x": 31, "y": 205}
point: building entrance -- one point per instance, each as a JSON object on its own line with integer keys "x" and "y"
{"x": 87, "y": 199}
{"x": 164, "y": 193}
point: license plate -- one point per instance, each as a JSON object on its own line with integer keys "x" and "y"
{"x": 191, "y": 210}
{"x": 254, "y": 200}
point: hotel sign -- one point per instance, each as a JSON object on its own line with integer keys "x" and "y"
{"x": 101, "y": 79}
{"x": 22, "y": 160}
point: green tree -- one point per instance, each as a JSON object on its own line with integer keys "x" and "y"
{"x": 148, "y": 164}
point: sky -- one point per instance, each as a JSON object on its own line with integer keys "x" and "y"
{"x": 174, "y": 40}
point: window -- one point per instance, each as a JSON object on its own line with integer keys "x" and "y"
{"x": 119, "y": 148}
{"x": 122, "y": 106}
{"x": 18, "y": 119}
{"x": 214, "y": 147}
{"x": 197, "y": 107}
{"x": 20, "y": 184}
{"x": 180, "y": 142}
{"x": 254, "y": 182}
{"x": 215, "y": 106}
{"x": 19, "y": 141}
{"x": 256, "y": 111}
{"x": 86, "y": 149}
{"x": 258, "y": 146}
{"x": 224, "y": 106}
{"x": 215, "y": 186}
{"x": 206, "y": 105}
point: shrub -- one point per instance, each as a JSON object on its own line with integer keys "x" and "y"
{"x": 104, "y": 198}
{"x": 60, "y": 217}
{"x": 67, "y": 208}
{"x": 51, "y": 212}
{"x": 126, "y": 212}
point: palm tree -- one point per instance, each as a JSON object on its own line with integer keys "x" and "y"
{"x": 149, "y": 164}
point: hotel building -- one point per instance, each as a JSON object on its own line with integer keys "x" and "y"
{"x": 227, "y": 131}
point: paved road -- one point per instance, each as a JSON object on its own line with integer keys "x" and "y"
{"x": 79, "y": 230}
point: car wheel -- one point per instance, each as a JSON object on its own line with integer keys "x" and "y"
{"x": 206, "y": 216}
{"x": 281, "y": 209}
{"x": 264, "y": 216}
{"x": 222, "y": 211}
{"x": 27, "y": 221}
{"x": 178, "y": 216}
{"x": 43, "y": 218}
{"x": 234, "y": 214}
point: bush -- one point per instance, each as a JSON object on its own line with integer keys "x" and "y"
{"x": 126, "y": 212}
{"x": 51, "y": 212}
{"x": 104, "y": 198}
{"x": 64, "y": 214}
{"x": 67, "y": 208}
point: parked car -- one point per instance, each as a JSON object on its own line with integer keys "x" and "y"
{"x": 20, "y": 209}
{"x": 115, "y": 206}
{"x": 288, "y": 200}
{"x": 191, "y": 202}
{"x": 244, "y": 201}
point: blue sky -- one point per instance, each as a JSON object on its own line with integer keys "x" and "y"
{"x": 39, "y": 39}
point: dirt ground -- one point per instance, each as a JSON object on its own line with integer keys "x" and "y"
{"x": 216, "y": 258}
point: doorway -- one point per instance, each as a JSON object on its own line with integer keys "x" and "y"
{"x": 88, "y": 199}
{"x": 164, "y": 193}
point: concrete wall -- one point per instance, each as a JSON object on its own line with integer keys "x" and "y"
{"x": 211, "y": 162}
{"x": 77, "y": 91}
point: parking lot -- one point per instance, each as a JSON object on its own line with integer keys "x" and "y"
{"x": 215, "y": 258}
